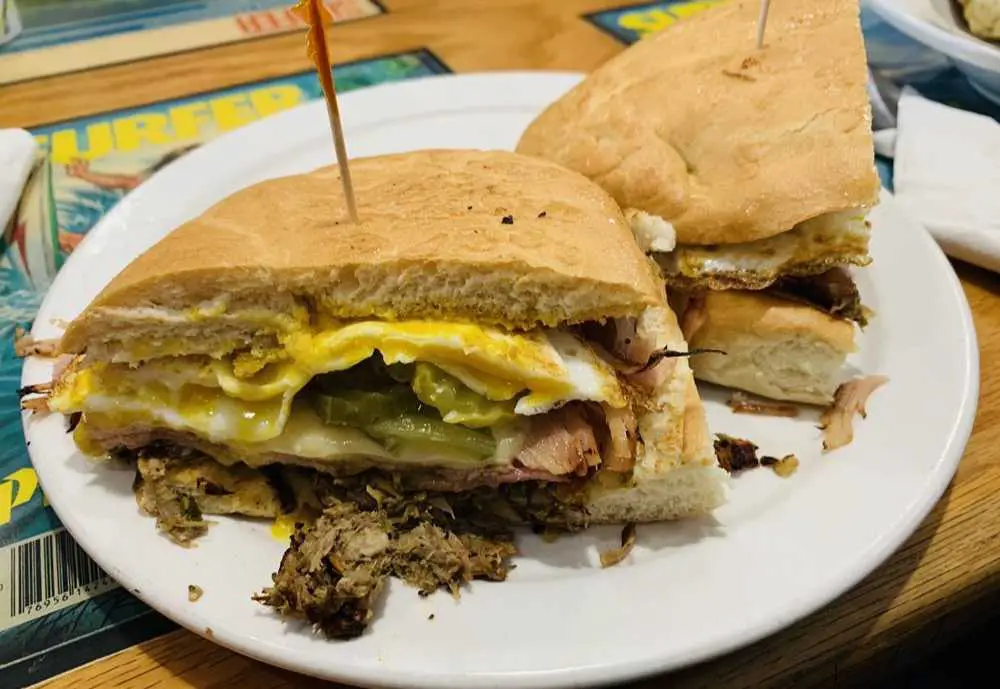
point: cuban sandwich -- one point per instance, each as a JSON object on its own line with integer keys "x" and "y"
{"x": 748, "y": 174}
{"x": 488, "y": 347}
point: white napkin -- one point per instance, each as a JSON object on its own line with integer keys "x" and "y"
{"x": 947, "y": 175}
{"x": 10, "y": 22}
{"x": 17, "y": 158}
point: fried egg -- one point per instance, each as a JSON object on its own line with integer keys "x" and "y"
{"x": 810, "y": 247}
{"x": 542, "y": 369}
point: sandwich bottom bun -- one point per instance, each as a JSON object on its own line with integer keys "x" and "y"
{"x": 684, "y": 481}
{"x": 773, "y": 347}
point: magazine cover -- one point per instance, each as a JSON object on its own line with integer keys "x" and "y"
{"x": 58, "y": 610}
{"x": 114, "y": 31}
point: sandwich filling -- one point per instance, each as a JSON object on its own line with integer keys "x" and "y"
{"x": 810, "y": 248}
{"x": 391, "y": 449}
{"x": 454, "y": 405}
{"x": 807, "y": 264}
{"x": 480, "y": 351}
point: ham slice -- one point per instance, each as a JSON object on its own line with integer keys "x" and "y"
{"x": 558, "y": 447}
{"x": 633, "y": 354}
{"x": 837, "y": 421}
{"x": 561, "y": 443}
{"x": 25, "y": 345}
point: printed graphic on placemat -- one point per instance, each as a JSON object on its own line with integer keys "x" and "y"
{"x": 52, "y": 596}
{"x": 46, "y": 573}
{"x": 629, "y": 24}
{"x": 60, "y": 36}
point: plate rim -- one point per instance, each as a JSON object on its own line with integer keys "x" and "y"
{"x": 960, "y": 46}
{"x": 650, "y": 664}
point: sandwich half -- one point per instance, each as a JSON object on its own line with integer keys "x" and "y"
{"x": 488, "y": 347}
{"x": 740, "y": 170}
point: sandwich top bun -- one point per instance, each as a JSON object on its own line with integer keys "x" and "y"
{"x": 486, "y": 236}
{"x": 727, "y": 142}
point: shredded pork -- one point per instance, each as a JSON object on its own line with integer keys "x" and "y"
{"x": 735, "y": 454}
{"x": 333, "y": 572}
{"x": 610, "y": 558}
{"x": 619, "y": 453}
{"x": 26, "y": 345}
{"x": 353, "y": 533}
{"x": 172, "y": 481}
{"x": 335, "y": 568}
{"x": 35, "y": 398}
{"x": 740, "y": 403}
{"x": 36, "y": 389}
{"x": 35, "y": 404}
{"x": 179, "y": 490}
{"x": 833, "y": 292}
{"x": 560, "y": 444}
{"x": 837, "y": 421}
{"x": 784, "y": 467}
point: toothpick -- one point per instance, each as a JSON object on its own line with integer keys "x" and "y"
{"x": 340, "y": 148}
{"x": 765, "y": 6}
{"x": 310, "y": 12}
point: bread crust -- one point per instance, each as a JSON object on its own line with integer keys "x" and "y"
{"x": 487, "y": 236}
{"x": 676, "y": 474}
{"x": 728, "y": 143}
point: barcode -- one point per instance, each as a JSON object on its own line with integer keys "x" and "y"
{"x": 46, "y": 574}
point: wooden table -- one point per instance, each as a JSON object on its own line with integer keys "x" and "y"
{"x": 946, "y": 575}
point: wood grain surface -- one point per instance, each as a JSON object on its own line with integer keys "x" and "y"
{"x": 945, "y": 577}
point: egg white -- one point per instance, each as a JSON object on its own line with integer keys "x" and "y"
{"x": 842, "y": 236}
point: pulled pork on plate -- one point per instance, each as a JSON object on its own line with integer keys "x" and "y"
{"x": 353, "y": 533}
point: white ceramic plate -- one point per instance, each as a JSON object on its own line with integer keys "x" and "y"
{"x": 779, "y": 550}
{"x": 939, "y": 25}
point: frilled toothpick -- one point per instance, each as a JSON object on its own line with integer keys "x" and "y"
{"x": 311, "y": 12}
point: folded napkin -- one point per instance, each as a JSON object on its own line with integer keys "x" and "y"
{"x": 10, "y": 22}
{"x": 17, "y": 158}
{"x": 947, "y": 175}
